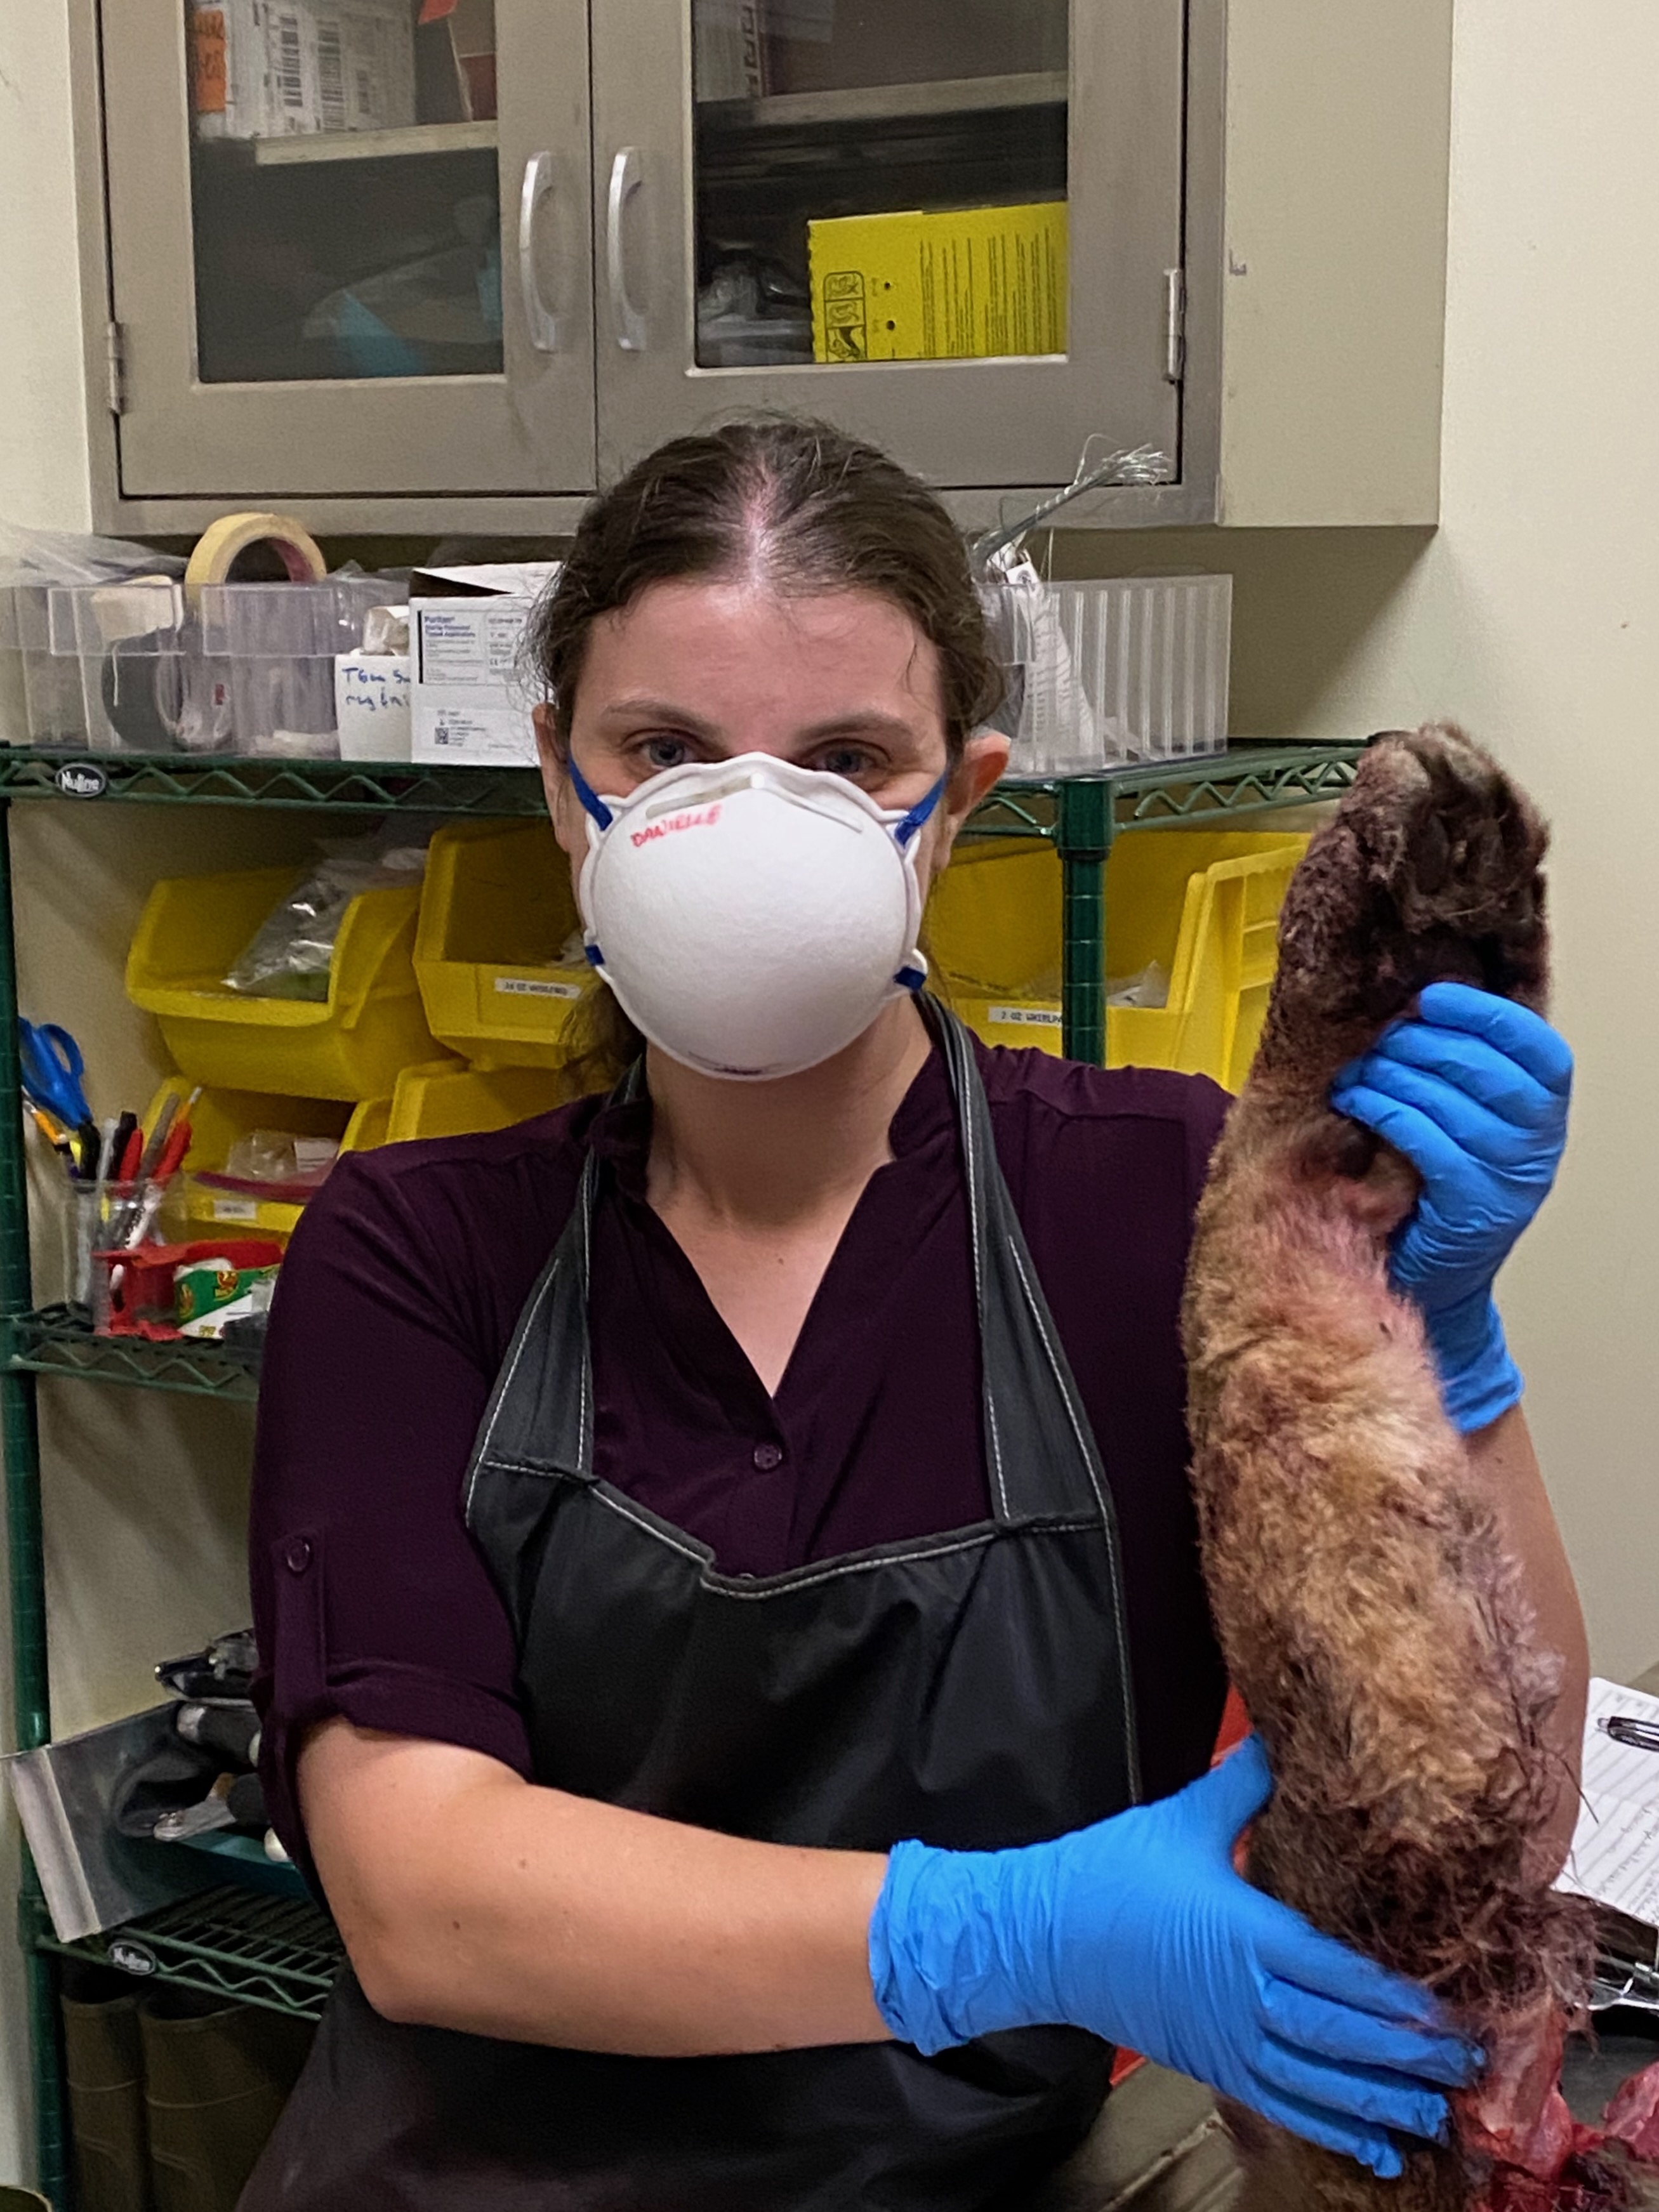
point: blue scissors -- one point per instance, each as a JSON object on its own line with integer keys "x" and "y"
{"x": 52, "y": 1066}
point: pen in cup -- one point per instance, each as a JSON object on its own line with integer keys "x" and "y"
{"x": 171, "y": 1159}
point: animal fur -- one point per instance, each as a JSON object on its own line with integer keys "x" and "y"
{"x": 1370, "y": 1618}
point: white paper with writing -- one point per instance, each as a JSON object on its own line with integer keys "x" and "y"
{"x": 1614, "y": 1857}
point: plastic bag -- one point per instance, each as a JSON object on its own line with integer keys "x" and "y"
{"x": 1049, "y": 716}
{"x": 291, "y": 951}
{"x": 1149, "y": 988}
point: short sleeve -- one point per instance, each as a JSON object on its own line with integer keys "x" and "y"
{"x": 369, "y": 1598}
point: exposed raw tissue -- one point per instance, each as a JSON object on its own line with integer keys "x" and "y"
{"x": 1371, "y": 1617}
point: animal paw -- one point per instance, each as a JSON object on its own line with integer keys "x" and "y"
{"x": 1429, "y": 873}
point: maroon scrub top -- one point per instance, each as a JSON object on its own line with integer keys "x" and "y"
{"x": 399, "y": 1296}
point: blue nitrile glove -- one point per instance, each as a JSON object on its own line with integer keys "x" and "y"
{"x": 1139, "y": 1929}
{"x": 1475, "y": 1093}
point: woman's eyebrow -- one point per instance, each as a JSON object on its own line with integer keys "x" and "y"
{"x": 870, "y": 722}
{"x": 656, "y": 710}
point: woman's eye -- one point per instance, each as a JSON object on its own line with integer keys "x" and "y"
{"x": 660, "y": 753}
{"x": 850, "y": 761}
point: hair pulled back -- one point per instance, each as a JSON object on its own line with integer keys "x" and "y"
{"x": 797, "y": 504}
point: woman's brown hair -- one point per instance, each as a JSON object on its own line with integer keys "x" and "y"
{"x": 804, "y": 508}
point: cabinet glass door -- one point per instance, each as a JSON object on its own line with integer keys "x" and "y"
{"x": 350, "y": 245}
{"x": 946, "y": 223}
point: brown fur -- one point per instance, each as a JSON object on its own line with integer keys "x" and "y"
{"x": 1370, "y": 1618}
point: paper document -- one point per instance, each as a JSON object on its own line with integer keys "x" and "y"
{"x": 1614, "y": 1859}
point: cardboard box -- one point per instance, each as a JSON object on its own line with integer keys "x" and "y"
{"x": 273, "y": 69}
{"x": 972, "y": 284}
{"x": 728, "y": 57}
{"x": 469, "y": 703}
{"x": 373, "y": 693}
{"x": 472, "y": 46}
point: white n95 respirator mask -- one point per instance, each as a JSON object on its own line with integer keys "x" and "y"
{"x": 752, "y": 917}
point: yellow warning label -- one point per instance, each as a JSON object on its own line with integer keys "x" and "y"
{"x": 972, "y": 284}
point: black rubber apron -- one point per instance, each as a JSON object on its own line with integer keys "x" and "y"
{"x": 970, "y": 1688}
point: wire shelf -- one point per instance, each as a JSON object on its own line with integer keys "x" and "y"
{"x": 59, "y": 1341}
{"x": 281, "y": 1953}
{"x": 1244, "y": 778}
{"x": 220, "y": 780}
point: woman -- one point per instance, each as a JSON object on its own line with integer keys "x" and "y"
{"x": 722, "y": 1552}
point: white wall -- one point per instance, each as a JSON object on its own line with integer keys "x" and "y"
{"x": 1533, "y": 617}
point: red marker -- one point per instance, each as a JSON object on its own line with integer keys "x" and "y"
{"x": 172, "y": 1152}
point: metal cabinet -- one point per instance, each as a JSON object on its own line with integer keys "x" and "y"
{"x": 1215, "y": 228}
{"x": 886, "y": 106}
{"x": 399, "y": 310}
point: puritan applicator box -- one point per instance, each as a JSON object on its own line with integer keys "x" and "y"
{"x": 472, "y": 699}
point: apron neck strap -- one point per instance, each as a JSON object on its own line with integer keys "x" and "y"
{"x": 1040, "y": 1450}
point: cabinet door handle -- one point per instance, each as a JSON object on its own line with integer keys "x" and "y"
{"x": 626, "y": 319}
{"x": 540, "y": 321}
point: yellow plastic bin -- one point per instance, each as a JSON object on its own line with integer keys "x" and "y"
{"x": 1201, "y": 904}
{"x": 496, "y": 910}
{"x": 220, "y": 1118}
{"x": 446, "y": 1100}
{"x": 349, "y": 1046}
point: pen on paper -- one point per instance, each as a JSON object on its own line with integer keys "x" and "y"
{"x": 1637, "y": 1736}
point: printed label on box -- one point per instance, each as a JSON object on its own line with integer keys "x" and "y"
{"x": 235, "y": 1209}
{"x": 454, "y": 726}
{"x": 1036, "y": 1018}
{"x": 522, "y": 987}
{"x": 972, "y": 284}
{"x": 472, "y": 640}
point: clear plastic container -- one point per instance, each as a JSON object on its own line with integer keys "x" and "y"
{"x": 1122, "y": 669}
{"x": 101, "y": 1217}
{"x": 273, "y": 646}
{"x": 43, "y": 693}
{"x": 132, "y": 656}
{"x": 54, "y": 703}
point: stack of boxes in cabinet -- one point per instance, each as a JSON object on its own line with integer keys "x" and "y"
{"x": 470, "y": 961}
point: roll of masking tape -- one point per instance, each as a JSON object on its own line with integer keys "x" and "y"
{"x": 222, "y": 544}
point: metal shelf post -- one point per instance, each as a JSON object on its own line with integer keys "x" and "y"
{"x": 19, "y": 1436}
{"x": 1084, "y": 830}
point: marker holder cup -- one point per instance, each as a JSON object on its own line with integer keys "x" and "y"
{"x": 100, "y": 1217}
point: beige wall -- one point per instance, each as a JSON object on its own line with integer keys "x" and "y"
{"x": 1534, "y": 616}
{"x": 43, "y": 481}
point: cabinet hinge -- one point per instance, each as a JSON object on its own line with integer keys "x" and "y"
{"x": 115, "y": 350}
{"x": 1174, "y": 324}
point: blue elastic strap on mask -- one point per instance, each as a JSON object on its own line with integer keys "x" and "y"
{"x": 904, "y": 830}
{"x": 912, "y": 979}
{"x": 584, "y": 790}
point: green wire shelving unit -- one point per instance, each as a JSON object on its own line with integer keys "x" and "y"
{"x": 283, "y": 1953}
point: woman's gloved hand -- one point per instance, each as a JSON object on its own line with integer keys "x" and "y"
{"x": 1139, "y": 1929}
{"x": 1475, "y": 1093}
